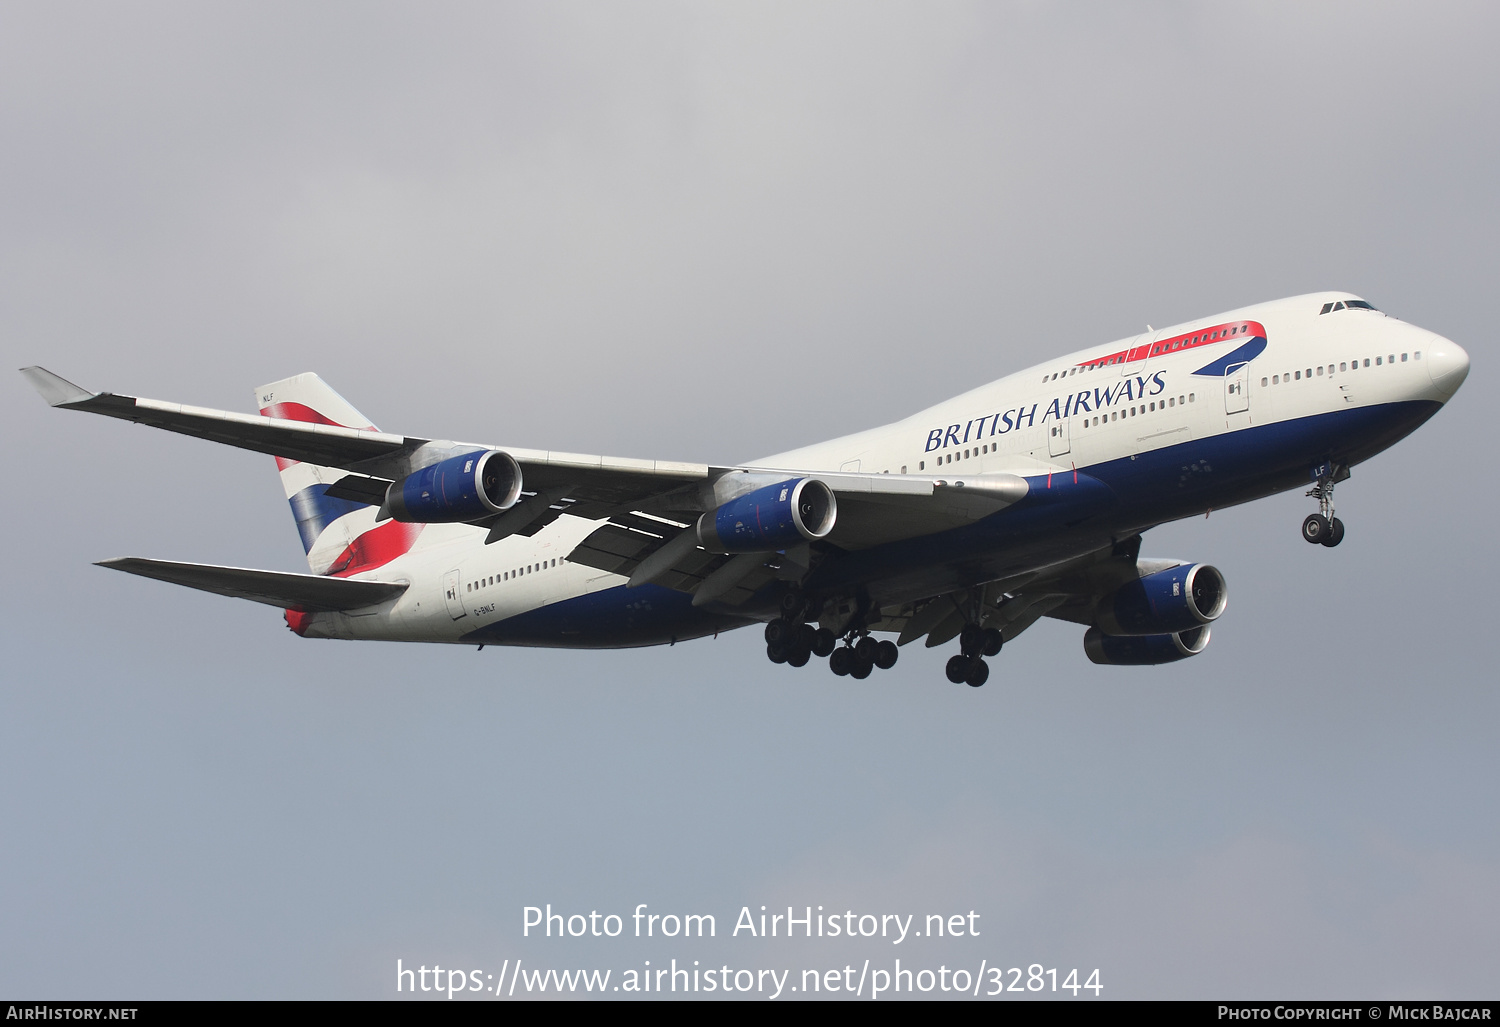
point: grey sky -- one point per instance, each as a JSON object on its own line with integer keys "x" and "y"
{"x": 710, "y": 232}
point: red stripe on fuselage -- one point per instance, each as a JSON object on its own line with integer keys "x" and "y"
{"x": 376, "y": 548}
{"x": 1229, "y": 330}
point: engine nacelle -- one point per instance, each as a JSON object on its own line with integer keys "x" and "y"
{"x": 460, "y": 488}
{"x": 1144, "y": 650}
{"x": 770, "y": 518}
{"x": 1177, "y": 599}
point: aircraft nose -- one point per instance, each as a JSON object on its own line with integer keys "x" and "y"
{"x": 1448, "y": 365}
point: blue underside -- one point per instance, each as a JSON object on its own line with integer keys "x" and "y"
{"x": 1060, "y": 518}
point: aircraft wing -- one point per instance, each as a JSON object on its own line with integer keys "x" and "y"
{"x": 308, "y": 592}
{"x": 1068, "y": 591}
{"x": 873, "y": 508}
{"x": 599, "y": 483}
{"x": 647, "y": 503}
{"x": 326, "y": 444}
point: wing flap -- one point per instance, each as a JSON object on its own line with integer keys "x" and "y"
{"x": 309, "y": 592}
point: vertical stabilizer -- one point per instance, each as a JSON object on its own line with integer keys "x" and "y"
{"x": 340, "y": 536}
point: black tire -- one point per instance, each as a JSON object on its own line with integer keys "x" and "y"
{"x": 861, "y": 669}
{"x": 993, "y": 640}
{"x": 886, "y": 653}
{"x": 971, "y": 639}
{"x": 1335, "y": 533}
{"x": 806, "y": 636}
{"x": 791, "y": 604}
{"x": 823, "y": 642}
{"x": 778, "y": 632}
{"x": 1315, "y": 529}
{"x": 958, "y": 669}
{"x": 865, "y": 649}
{"x": 798, "y": 657}
{"x": 775, "y": 654}
{"x": 979, "y": 673}
{"x": 841, "y": 661}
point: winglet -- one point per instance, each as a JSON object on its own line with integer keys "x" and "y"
{"x": 58, "y": 392}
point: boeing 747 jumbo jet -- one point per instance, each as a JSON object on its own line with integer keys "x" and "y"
{"x": 1021, "y": 499}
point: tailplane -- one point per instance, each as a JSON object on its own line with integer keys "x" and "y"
{"x": 340, "y": 536}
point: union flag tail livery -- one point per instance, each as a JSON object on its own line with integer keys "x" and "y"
{"x": 1022, "y": 498}
{"x": 340, "y": 536}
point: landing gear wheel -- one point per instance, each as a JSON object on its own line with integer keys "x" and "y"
{"x": 1315, "y": 529}
{"x": 885, "y": 654}
{"x": 776, "y": 654}
{"x": 865, "y": 649}
{"x": 806, "y": 636}
{"x": 979, "y": 673}
{"x": 1335, "y": 533}
{"x": 842, "y": 660}
{"x": 958, "y": 669}
{"x": 993, "y": 640}
{"x": 791, "y": 604}
{"x": 971, "y": 639}
{"x": 861, "y": 669}
{"x": 823, "y": 642}
{"x": 779, "y": 632}
{"x": 798, "y": 657}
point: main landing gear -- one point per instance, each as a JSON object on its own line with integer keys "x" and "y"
{"x": 1323, "y": 528}
{"x": 795, "y": 644}
{"x": 789, "y": 640}
{"x": 975, "y": 643}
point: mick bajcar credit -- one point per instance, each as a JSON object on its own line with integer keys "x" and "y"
{"x": 904, "y": 973}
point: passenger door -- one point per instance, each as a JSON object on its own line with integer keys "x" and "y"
{"x": 453, "y": 591}
{"x": 1138, "y": 355}
{"x": 1057, "y": 438}
{"x": 1236, "y": 389}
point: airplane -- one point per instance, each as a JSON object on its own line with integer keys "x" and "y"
{"x": 1020, "y": 499}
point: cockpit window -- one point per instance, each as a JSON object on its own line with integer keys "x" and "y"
{"x": 1346, "y": 304}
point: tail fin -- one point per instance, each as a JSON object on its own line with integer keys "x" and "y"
{"x": 339, "y": 536}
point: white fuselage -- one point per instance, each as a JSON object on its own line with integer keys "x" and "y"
{"x": 1075, "y": 412}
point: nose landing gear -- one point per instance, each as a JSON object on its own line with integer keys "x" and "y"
{"x": 1323, "y": 528}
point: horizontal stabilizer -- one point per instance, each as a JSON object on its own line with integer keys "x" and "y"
{"x": 307, "y": 592}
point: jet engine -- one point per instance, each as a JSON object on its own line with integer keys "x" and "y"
{"x": 1144, "y": 650}
{"x": 461, "y": 488}
{"x": 1177, "y": 599}
{"x": 770, "y": 518}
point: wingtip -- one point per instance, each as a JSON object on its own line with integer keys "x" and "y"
{"x": 57, "y": 391}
